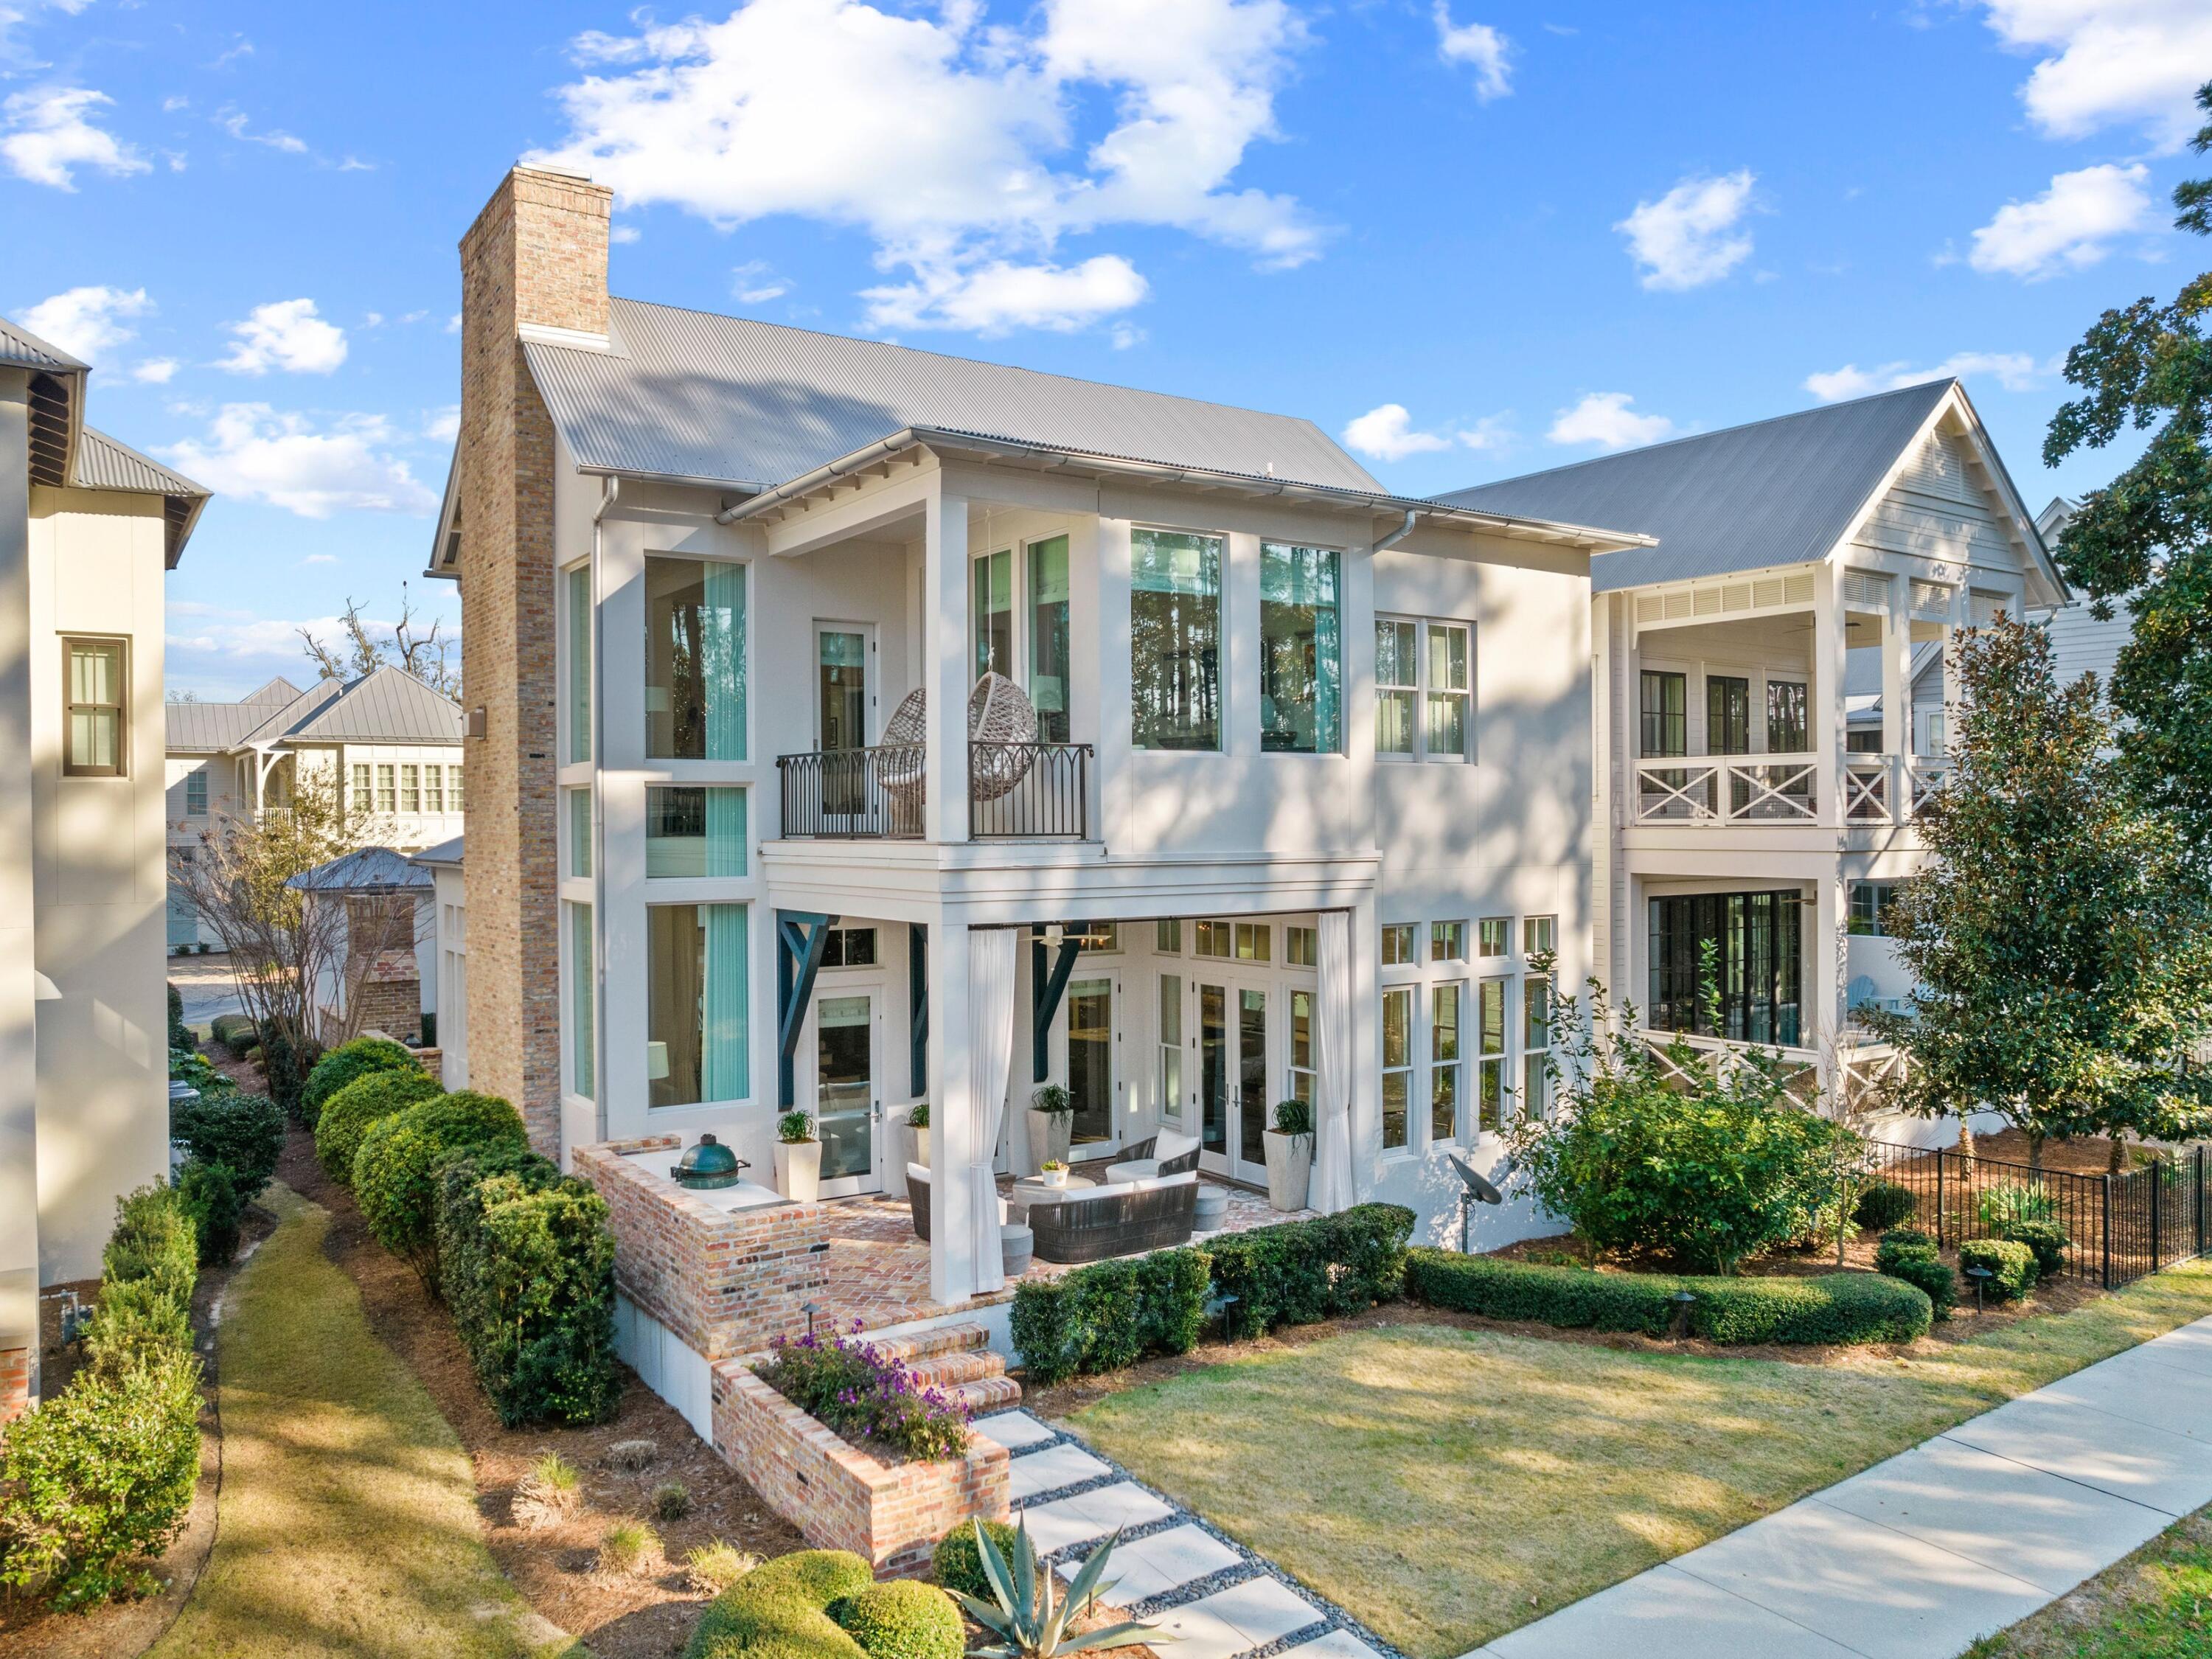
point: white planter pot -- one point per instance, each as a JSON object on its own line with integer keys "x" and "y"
{"x": 919, "y": 1141}
{"x": 1049, "y": 1134}
{"x": 799, "y": 1169}
{"x": 1289, "y": 1170}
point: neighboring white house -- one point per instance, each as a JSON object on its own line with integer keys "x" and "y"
{"x": 380, "y": 974}
{"x": 87, "y": 527}
{"x": 2081, "y": 643}
{"x": 1799, "y": 559}
{"x": 450, "y": 944}
{"x": 1309, "y": 795}
{"x": 391, "y": 741}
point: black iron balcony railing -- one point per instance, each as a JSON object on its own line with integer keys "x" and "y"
{"x": 1017, "y": 791}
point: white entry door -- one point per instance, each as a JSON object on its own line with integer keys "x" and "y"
{"x": 1093, "y": 1008}
{"x": 847, "y": 1044}
{"x": 1233, "y": 1030}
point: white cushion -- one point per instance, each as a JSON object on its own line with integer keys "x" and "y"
{"x": 1172, "y": 1144}
{"x": 1147, "y": 1184}
{"x": 1136, "y": 1168}
{"x": 918, "y": 1173}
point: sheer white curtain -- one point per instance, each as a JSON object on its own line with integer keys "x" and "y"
{"x": 1332, "y": 1188}
{"x": 991, "y": 958}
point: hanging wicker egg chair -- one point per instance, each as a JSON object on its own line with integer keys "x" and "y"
{"x": 1001, "y": 719}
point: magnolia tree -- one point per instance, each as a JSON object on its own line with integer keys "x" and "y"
{"x": 238, "y": 872}
{"x": 2061, "y": 943}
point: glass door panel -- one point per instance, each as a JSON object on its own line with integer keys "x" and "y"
{"x": 1214, "y": 1069}
{"x": 845, "y": 1089}
{"x": 1252, "y": 1093}
{"x": 841, "y": 673}
{"x": 1090, "y": 1065}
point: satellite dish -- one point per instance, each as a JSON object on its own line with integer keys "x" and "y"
{"x": 1477, "y": 1187}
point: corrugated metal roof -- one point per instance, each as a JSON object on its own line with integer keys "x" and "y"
{"x": 105, "y": 462}
{"x": 689, "y": 394}
{"x": 365, "y": 870}
{"x": 388, "y": 706}
{"x": 446, "y": 852}
{"x": 209, "y": 728}
{"x": 21, "y": 349}
{"x": 280, "y": 723}
{"x": 278, "y": 690}
{"x": 1781, "y": 491}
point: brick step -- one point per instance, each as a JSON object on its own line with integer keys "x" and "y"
{"x": 942, "y": 1371}
{"x": 917, "y": 1345}
{"x": 985, "y": 1394}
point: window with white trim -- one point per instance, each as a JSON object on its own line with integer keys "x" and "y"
{"x": 1397, "y": 1063}
{"x": 196, "y": 794}
{"x": 1490, "y": 1037}
{"x": 1535, "y": 1047}
{"x": 1424, "y": 689}
{"x": 1445, "y": 1093}
{"x": 1398, "y": 945}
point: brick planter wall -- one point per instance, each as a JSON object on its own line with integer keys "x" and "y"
{"x": 725, "y": 1283}
{"x": 15, "y": 1384}
{"x": 842, "y": 1497}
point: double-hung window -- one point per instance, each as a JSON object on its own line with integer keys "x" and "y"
{"x": 387, "y": 788}
{"x": 1397, "y": 1063}
{"x": 1536, "y": 1046}
{"x": 1445, "y": 1095}
{"x": 363, "y": 800}
{"x": 1871, "y": 902}
{"x": 1301, "y": 650}
{"x": 410, "y": 789}
{"x": 1491, "y": 1034}
{"x": 453, "y": 787}
{"x": 196, "y": 794}
{"x": 1424, "y": 689}
{"x": 434, "y": 788}
{"x": 1175, "y": 639}
{"x": 93, "y": 685}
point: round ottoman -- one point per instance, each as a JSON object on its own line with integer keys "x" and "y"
{"x": 1017, "y": 1244}
{"x": 1212, "y": 1209}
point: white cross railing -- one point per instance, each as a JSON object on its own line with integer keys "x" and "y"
{"x": 1726, "y": 789}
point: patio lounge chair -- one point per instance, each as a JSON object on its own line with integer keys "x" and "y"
{"x": 1163, "y": 1154}
{"x": 1095, "y": 1223}
{"x": 917, "y": 1198}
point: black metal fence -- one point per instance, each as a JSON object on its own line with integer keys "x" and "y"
{"x": 2121, "y": 1227}
{"x": 1017, "y": 791}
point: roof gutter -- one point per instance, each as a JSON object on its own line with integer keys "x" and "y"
{"x": 1413, "y": 518}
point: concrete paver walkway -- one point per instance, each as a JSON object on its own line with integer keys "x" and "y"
{"x": 1919, "y": 1557}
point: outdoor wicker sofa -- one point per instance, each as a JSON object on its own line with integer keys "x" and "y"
{"x": 1121, "y": 1219}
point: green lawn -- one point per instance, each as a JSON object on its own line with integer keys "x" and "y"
{"x": 1446, "y": 1485}
{"x": 2157, "y": 1604}
{"x": 348, "y": 1520}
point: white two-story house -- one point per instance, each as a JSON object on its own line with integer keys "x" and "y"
{"x": 1296, "y": 798}
{"x": 1804, "y": 565}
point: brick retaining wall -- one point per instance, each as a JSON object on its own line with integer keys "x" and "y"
{"x": 843, "y": 1497}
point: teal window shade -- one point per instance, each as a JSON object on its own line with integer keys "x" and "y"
{"x": 1301, "y": 650}
{"x": 698, "y": 981}
{"x": 723, "y": 1038}
{"x": 580, "y": 832}
{"x": 1048, "y": 618}
{"x": 583, "y": 1045}
{"x": 579, "y": 663}
{"x": 694, "y": 832}
{"x": 1175, "y": 640}
{"x": 696, "y": 659}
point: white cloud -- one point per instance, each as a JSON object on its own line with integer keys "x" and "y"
{"x": 49, "y": 132}
{"x": 992, "y": 298}
{"x": 285, "y": 334}
{"x": 1125, "y": 334}
{"x": 2016, "y": 371}
{"x": 1605, "y": 419}
{"x": 155, "y": 371}
{"x": 321, "y": 558}
{"x": 1690, "y": 236}
{"x": 253, "y": 452}
{"x": 1478, "y": 45}
{"x": 444, "y": 424}
{"x": 1490, "y": 432}
{"x": 2110, "y": 62}
{"x": 755, "y": 285}
{"x": 233, "y": 121}
{"x": 959, "y": 148}
{"x": 89, "y": 322}
{"x": 1386, "y": 432}
{"x": 619, "y": 234}
{"x": 2070, "y": 225}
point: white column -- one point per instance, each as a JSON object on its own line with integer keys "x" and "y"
{"x": 1333, "y": 1188}
{"x": 1829, "y": 725}
{"x": 1824, "y": 1013}
{"x": 1897, "y": 695}
{"x": 19, "y": 1148}
{"x": 952, "y": 1265}
{"x": 944, "y": 668}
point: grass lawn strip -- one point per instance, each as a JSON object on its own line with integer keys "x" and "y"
{"x": 1448, "y": 1485}
{"x": 2156, "y": 1604}
{"x": 347, "y": 1520}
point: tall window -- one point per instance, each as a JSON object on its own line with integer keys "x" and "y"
{"x": 1175, "y": 640}
{"x": 1445, "y": 1092}
{"x": 1444, "y": 731}
{"x": 579, "y": 831}
{"x": 1757, "y": 941}
{"x": 1301, "y": 650}
{"x": 1397, "y": 1063}
{"x": 1427, "y": 666}
{"x": 363, "y": 801}
{"x": 1728, "y": 715}
{"x": 1302, "y": 1046}
{"x": 196, "y": 794}
{"x": 434, "y": 788}
{"x": 387, "y": 789}
{"x": 1536, "y": 1046}
{"x": 579, "y": 663}
{"x": 583, "y": 1046}
{"x": 453, "y": 787}
{"x": 1789, "y": 718}
{"x": 697, "y": 979}
{"x": 991, "y": 581}
{"x": 1665, "y": 713}
{"x": 694, "y": 832}
{"x": 695, "y": 659}
{"x": 1047, "y": 575}
{"x": 92, "y": 684}
{"x": 1170, "y": 1055}
{"x": 1491, "y": 1086}
{"x": 411, "y": 789}
{"x": 1397, "y": 686}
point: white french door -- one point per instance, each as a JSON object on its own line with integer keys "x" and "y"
{"x": 845, "y": 1033}
{"x": 1233, "y": 1033}
{"x": 1093, "y": 1021}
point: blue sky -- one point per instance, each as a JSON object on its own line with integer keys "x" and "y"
{"x": 1474, "y": 240}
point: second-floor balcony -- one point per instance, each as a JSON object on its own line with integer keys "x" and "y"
{"x": 1017, "y": 791}
{"x": 1782, "y": 788}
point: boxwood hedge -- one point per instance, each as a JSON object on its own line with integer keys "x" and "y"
{"x": 1111, "y": 1314}
{"x": 1299, "y": 1272}
{"x": 396, "y": 1172}
{"x": 346, "y": 1115}
{"x": 346, "y": 1062}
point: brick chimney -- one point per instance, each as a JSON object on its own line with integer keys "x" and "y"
{"x": 535, "y": 255}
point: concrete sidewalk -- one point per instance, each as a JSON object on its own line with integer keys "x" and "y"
{"x": 1920, "y": 1556}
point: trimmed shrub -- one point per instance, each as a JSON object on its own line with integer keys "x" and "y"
{"x": 136, "y": 1319}
{"x": 526, "y": 1265}
{"x": 285, "y": 1069}
{"x": 957, "y": 1564}
{"x": 236, "y": 1032}
{"x": 1932, "y": 1279}
{"x": 396, "y": 1172}
{"x": 1838, "y": 1307}
{"x": 2011, "y": 1265}
{"x": 1903, "y": 1244}
{"x": 902, "y": 1618}
{"x": 1111, "y": 1314}
{"x": 346, "y": 1115}
{"x": 243, "y": 1133}
{"x": 98, "y": 1477}
{"x": 2049, "y": 1240}
{"x": 343, "y": 1064}
{"x": 1884, "y": 1204}
{"x": 210, "y": 1194}
{"x": 1299, "y": 1272}
{"x": 153, "y": 1239}
{"x": 777, "y": 1610}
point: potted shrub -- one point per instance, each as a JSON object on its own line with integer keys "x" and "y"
{"x": 1053, "y": 1172}
{"x": 798, "y": 1158}
{"x": 1289, "y": 1146}
{"x": 1052, "y": 1124}
{"x": 917, "y": 1123}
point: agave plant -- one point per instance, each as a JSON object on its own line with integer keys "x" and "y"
{"x": 1030, "y": 1622}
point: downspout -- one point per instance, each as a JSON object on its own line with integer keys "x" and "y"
{"x": 1413, "y": 518}
{"x": 609, "y": 493}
